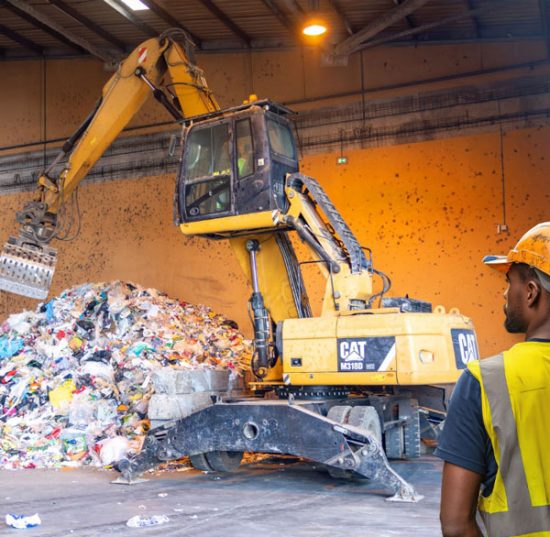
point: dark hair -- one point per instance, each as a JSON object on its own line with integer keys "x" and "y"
{"x": 527, "y": 272}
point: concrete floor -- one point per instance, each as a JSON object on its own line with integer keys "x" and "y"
{"x": 275, "y": 497}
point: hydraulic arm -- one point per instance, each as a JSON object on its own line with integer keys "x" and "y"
{"x": 162, "y": 66}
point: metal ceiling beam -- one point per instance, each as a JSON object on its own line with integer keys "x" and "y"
{"x": 468, "y": 40}
{"x": 92, "y": 49}
{"x": 27, "y": 43}
{"x": 127, "y": 13}
{"x": 276, "y": 44}
{"x": 425, "y": 27}
{"x": 294, "y": 6}
{"x": 475, "y": 22}
{"x": 88, "y": 23}
{"x": 353, "y": 43}
{"x": 221, "y": 15}
{"x": 283, "y": 19}
{"x": 544, "y": 22}
{"x": 166, "y": 17}
{"x": 337, "y": 8}
{"x": 408, "y": 18}
{"x": 41, "y": 26}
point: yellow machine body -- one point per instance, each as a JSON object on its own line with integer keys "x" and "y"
{"x": 376, "y": 349}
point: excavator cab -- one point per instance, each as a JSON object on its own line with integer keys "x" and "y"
{"x": 234, "y": 164}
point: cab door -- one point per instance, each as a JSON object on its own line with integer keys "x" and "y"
{"x": 207, "y": 169}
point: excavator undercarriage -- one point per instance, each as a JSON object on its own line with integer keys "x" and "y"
{"x": 216, "y": 437}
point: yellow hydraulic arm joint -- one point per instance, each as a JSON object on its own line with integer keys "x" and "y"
{"x": 122, "y": 97}
{"x": 343, "y": 286}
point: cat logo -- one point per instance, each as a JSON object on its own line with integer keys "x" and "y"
{"x": 366, "y": 354}
{"x": 467, "y": 344}
{"x": 465, "y": 347}
{"x": 352, "y": 351}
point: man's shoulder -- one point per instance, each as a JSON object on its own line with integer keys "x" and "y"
{"x": 530, "y": 346}
{"x": 468, "y": 384}
{"x": 463, "y": 439}
{"x": 474, "y": 367}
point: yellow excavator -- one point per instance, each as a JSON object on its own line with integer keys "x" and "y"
{"x": 364, "y": 381}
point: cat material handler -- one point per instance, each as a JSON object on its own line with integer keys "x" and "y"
{"x": 347, "y": 388}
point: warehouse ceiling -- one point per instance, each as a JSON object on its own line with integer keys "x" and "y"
{"x": 108, "y": 29}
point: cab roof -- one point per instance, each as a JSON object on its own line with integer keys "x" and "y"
{"x": 271, "y": 106}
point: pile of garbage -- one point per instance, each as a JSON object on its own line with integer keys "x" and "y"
{"x": 75, "y": 375}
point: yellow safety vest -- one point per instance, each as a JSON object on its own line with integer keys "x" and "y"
{"x": 515, "y": 401}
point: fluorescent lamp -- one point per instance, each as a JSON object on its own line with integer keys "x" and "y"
{"x": 135, "y": 5}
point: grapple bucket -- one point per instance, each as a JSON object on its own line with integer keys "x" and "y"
{"x": 26, "y": 268}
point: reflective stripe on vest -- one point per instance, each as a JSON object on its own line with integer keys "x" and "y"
{"x": 521, "y": 518}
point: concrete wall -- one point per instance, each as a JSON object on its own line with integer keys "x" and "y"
{"x": 428, "y": 210}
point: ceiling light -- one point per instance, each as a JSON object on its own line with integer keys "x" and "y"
{"x": 135, "y": 5}
{"x": 314, "y": 28}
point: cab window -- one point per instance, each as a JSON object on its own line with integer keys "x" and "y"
{"x": 245, "y": 149}
{"x": 208, "y": 197}
{"x": 281, "y": 139}
{"x": 208, "y": 171}
{"x": 208, "y": 152}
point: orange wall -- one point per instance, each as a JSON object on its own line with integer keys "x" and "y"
{"x": 428, "y": 211}
{"x": 127, "y": 233}
{"x": 49, "y": 99}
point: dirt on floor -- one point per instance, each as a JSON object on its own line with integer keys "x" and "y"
{"x": 266, "y": 497}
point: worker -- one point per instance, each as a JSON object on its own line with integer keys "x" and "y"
{"x": 222, "y": 160}
{"x": 495, "y": 437}
{"x": 244, "y": 160}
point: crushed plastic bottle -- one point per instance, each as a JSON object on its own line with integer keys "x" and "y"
{"x": 139, "y": 521}
{"x": 21, "y": 522}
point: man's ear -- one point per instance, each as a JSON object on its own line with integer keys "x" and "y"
{"x": 534, "y": 291}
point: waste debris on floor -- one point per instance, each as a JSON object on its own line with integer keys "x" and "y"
{"x": 139, "y": 521}
{"x": 21, "y": 522}
{"x": 75, "y": 375}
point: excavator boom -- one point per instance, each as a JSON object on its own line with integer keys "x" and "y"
{"x": 161, "y": 66}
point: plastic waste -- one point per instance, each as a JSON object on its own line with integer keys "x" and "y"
{"x": 113, "y": 449}
{"x": 78, "y": 371}
{"x": 61, "y": 396}
{"x": 99, "y": 369}
{"x": 21, "y": 323}
{"x": 81, "y": 411}
{"x": 74, "y": 443}
{"x": 106, "y": 411}
{"x": 139, "y": 521}
{"x": 21, "y": 522}
{"x": 10, "y": 347}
